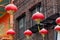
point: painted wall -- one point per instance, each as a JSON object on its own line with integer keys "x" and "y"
{"x": 4, "y": 25}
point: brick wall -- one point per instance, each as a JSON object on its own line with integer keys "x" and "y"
{"x": 50, "y": 7}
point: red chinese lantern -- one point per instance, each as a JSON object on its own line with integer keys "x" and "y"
{"x": 37, "y": 16}
{"x": 57, "y": 28}
{"x": 10, "y": 8}
{"x": 10, "y": 32}
{"x": 27, "y": 33}
{"x": 58, "y": 21}
{"x": 43, "y": 32}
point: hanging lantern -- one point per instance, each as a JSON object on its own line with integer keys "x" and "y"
{"x": 57, "y": 28}
{"x": 11, "y": 8}
{"x": 43, "y": 32}
{"x": 27, "y": 33}
{"x": 58, "y": 21}
{"x": 37, "y": 17}
{"x": 10, "y": 32}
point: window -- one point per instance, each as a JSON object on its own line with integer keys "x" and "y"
{"x": 34, "y": 9}
{"x": 22, "y": 26}
{"x": 21, "y": 22}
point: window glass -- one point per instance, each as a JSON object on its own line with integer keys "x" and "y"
{"x": 22, "y": 26}
{"x": 21, "y": 23}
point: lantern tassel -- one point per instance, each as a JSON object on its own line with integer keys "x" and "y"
{"x": 10, "y": 12}
{"x": 38, "y": 22}
{"x": 11, "y": 1}
{"x": 43, "y": 36}
{"x": 38, "y": 28}
{"x": 11, "y": 37}
{"x": 27, "y": 37}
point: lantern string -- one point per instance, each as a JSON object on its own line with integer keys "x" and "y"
{"x": 38, "y": 27}
{"x": 11, "y": 1}
{"x": 38, "y": 22}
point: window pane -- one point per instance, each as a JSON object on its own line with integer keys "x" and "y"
{"x": 21, "y": 23}
{"x": 40, "y": 9}
{"x": 22, "y": 26}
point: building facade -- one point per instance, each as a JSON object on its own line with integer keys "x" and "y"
{"x": 23, "y": 21}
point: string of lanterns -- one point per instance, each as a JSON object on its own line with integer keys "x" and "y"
{"x": 37, "y": 17}
{"x": 11, "y": 9}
